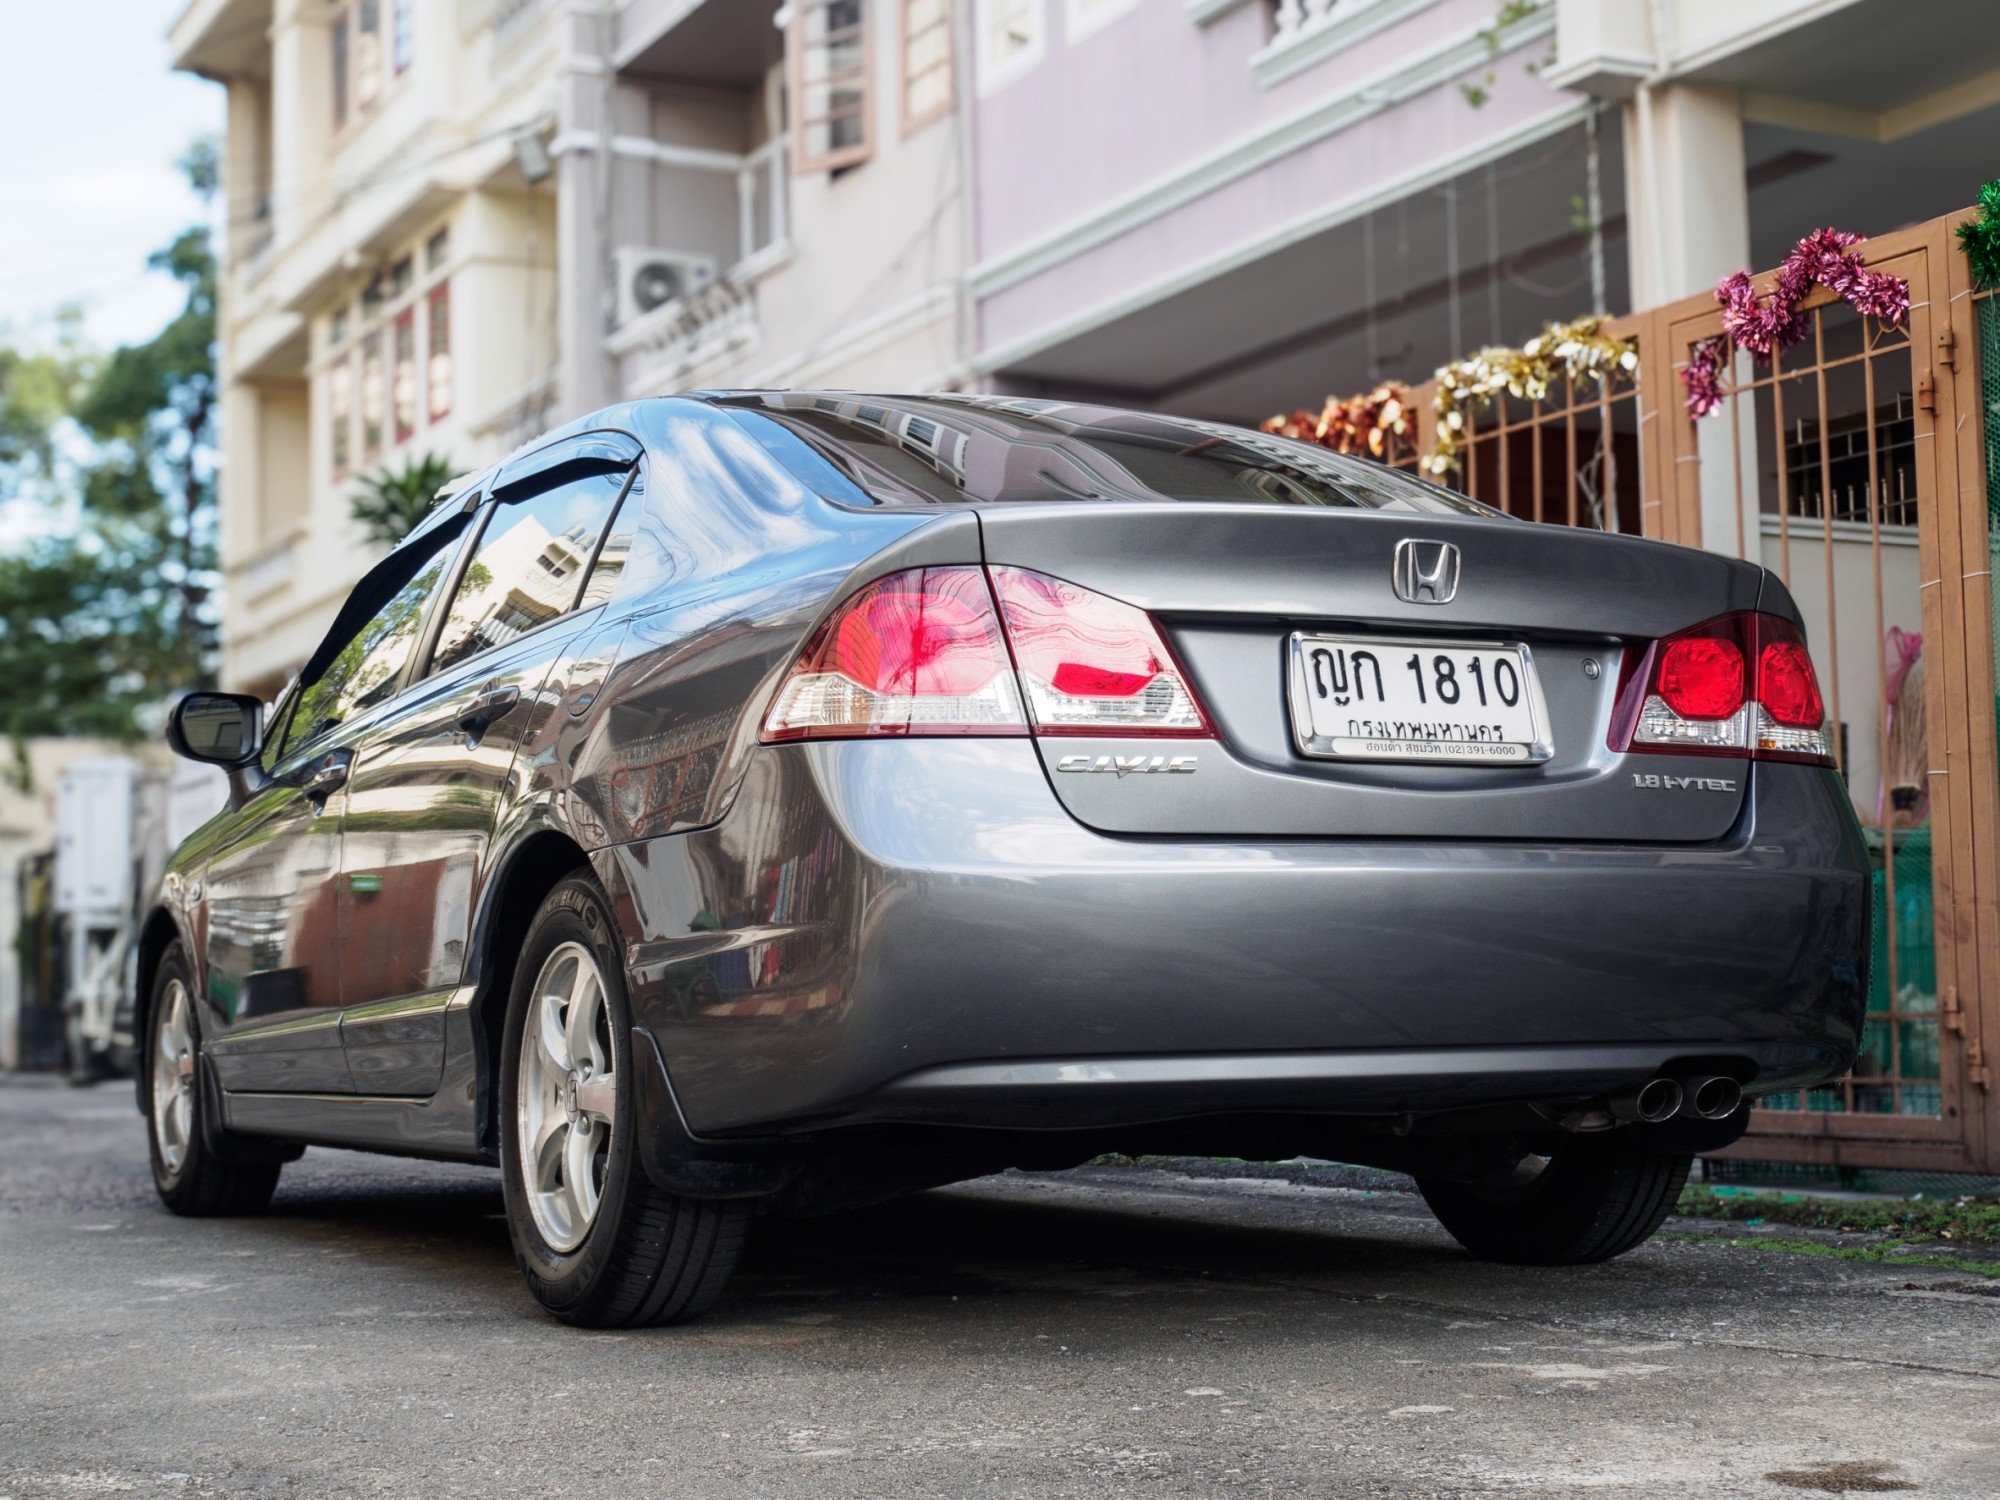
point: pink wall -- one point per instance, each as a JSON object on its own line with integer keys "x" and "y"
{"x": 1151, "y": 93}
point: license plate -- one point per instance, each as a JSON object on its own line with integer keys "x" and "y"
{"x": 1455, "y": 702}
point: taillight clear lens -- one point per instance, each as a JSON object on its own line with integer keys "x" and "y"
{"x": 1696, "y": 693}
{"x": 1092, "y": 665}
{"x": 918, "y": 652}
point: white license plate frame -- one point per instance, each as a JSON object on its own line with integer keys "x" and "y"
{"x": 1517, "y": 743}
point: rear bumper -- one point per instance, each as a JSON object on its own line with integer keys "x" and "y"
{"x": 889, "y": 931}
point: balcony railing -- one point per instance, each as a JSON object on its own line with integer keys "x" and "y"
{"x": 1309, "y": 31}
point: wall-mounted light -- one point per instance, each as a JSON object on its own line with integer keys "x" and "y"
{"x": 532, "y": 157}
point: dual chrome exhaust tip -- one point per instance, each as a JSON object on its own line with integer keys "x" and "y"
{"x": 1701, "y": 1096}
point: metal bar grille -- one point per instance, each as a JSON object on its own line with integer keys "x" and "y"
{"x": 1572, "y": 457}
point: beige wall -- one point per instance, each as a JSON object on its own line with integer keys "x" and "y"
{"x": 345, "y": 204}
{"x": 862, "y": 290}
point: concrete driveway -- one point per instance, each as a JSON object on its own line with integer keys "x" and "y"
{"x": 1101, "y": 1332}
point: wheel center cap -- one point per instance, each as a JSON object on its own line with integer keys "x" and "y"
{"x": 569, "y": 1103}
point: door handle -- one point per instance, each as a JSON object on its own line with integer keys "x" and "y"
{"x": 326, "y": 778}
{"x": 479, "y": 715}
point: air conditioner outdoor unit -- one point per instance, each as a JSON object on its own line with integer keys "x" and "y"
{"x": 649, "y": 278}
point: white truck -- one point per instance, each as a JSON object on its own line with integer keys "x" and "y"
{"x": 116, "y": 823}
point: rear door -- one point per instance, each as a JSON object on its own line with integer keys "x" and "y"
{"x": 429, "y": 780}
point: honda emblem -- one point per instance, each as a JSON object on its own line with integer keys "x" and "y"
{"x": 1425, "y": 572}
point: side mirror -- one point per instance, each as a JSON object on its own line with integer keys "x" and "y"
{"x": 223, "y": 729}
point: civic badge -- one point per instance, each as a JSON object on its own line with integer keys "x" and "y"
{"x": 1425, "y": 572}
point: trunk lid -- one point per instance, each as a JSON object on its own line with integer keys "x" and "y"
{"x": 1230, "y": 585}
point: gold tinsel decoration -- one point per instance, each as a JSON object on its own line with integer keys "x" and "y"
{"x": 1577, "y": 351}
{"x": 1358, "y": 424}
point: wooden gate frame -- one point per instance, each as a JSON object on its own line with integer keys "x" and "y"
{"x": 1956, "y": 592}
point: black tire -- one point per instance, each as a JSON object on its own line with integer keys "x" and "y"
{"x": 1597, "y": 1196}
{"x": 645, "y": 1256}
{"x": 189, "y": 1171}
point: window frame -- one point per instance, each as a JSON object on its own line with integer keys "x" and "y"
{"x": 395, "y": 37}
{"x": 376, "y": 313}
{"x": 456, "y": 550}
{"x": 912, "y": 123}
{"x": 1080, "y": 24}
{"x": 546, "y": 477}
{"x": 994, "y": 73}
{"x": 804, "y": 162}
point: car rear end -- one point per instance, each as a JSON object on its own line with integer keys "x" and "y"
{"x": 1160, "y": 809}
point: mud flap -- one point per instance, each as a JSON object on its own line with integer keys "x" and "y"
{"x": 677, "y": 1160}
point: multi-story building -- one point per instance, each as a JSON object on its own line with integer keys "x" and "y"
{"x": 1235, "y": 207}
{"x": 453, "y": 223}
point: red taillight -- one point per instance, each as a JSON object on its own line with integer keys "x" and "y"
{"x": 925, "y": 652}
{"x": 918, "y": 652}
{"x": 1787, "y": 687}
{"x": 1694, "y": 693}
{"x": 1701, "y": 676}
{"x": 1092, "y": 665}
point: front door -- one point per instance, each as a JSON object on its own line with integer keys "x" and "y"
{"x": 429, "y": 783}
{"x": 269, "y": 908}
{"x": 266, "y": 912}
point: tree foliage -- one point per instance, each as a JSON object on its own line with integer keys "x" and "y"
{"x": 107, "y": 609}
{"x": 391, "y": 501}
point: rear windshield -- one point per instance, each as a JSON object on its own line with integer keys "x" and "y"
{"x": 857, "y": 450}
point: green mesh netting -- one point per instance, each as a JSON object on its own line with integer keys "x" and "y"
{"x": 1989, "y": 393}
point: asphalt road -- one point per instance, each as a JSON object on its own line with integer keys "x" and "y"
{"x": 1101, "y": 1332}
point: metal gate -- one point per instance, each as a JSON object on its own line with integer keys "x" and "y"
{"x": 1857, "y": 469}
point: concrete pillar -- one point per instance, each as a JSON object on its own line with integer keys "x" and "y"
{"x": 1689, "y": 209}
{"x": 1684, "y": 190}
{"x": 246, "y": 161}
{"x": 583, "y": 89}
{"x": 302, "y": 115}
{"x": 240, "y": 424}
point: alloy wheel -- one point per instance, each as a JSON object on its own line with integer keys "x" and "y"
{"x": 173, "y": 1078}
{"x": 567, "y": 1097}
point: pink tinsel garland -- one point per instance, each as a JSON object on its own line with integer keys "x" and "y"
{"x": 1825, "y": 258}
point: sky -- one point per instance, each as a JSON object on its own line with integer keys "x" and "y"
{"x": 91, "y": 120}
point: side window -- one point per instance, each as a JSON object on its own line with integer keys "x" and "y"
{"x": 529, "y": 564}
{"x": 369, "y": 667}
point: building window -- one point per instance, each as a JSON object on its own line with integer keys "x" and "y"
{"x": 831, "y": 125}
{"x": 374, "y": 398}
{"x": 439, "y": 375}
{"x": 340, "y": 411}
{"x": 1013, "y": 36}
{"x": 403, "y": 384}
{"x": 361, "y": 55}
{"x": 926, "y": 62}
{"x": 398, "y": 374}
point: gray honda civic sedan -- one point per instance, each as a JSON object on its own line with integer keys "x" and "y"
{"x": 759, "y": 803}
